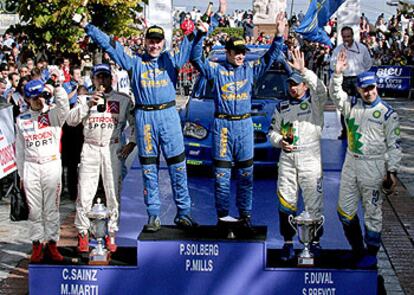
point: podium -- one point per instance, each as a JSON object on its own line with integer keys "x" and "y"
{"x": 176, "y": 262}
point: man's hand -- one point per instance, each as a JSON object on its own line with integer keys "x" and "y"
{"x": 287, "y": 147}
{"x": 126, "y": 150}
{"x": 81, "y": 19}
{"x": 389, "y": 184}
{"x": 341, "y": 62}
{"x": 280, "y": 24}
{"x": 222, "y": 6}
{"x": 94, "y": 99}
{"x": 298, "y": 61}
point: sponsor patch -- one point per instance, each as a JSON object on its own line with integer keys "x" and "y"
{"x": 397, "y": 131}
{"x": 113, "y": 107}
{"x": 303, "y": 105}
{"x": 376, "y": 114}
{"x": 43, "y": 121}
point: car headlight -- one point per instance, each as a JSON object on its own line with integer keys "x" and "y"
{"x": 194, "y": 130}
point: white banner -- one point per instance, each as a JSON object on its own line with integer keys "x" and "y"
{"x": 349, "y": 15}
{"x": 7, "y": 20}
{"x": 7, "y": 139}
{"x": 159, "y": 13}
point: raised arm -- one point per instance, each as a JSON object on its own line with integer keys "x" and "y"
{"x": 274, "y": 134}
{"x": 338, "y": 95}
{"x": 116, "y": 51}
{"x": 275, "y": 51}
{"x": 315, "y": 85}
{"x": 79, "y": 112}
{"x": 206, "y": 68}
{"x": 61, "y": 111}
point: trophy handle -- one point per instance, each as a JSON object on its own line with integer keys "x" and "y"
{"x": 322, "y": 221}
{"x": 292, "y": 222}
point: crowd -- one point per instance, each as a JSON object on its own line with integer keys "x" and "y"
{"x": 47, "y": 96}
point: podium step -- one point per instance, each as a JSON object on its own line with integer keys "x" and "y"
{"x": 202, "y": 262}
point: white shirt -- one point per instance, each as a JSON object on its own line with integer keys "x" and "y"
{"x": 359, "y": 59}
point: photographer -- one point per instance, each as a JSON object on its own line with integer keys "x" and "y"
{"x": 104, "y": 115}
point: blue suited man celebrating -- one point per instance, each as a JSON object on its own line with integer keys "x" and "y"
{"x": 233, "y": 126}
{"x": 153, "y": 78}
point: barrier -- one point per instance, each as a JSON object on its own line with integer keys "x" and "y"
{"x": 393, "y": 78}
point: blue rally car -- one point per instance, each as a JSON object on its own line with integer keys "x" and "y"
{"x": 197, "y": 114}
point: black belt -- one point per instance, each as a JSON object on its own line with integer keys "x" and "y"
{"x": 232, "y": 117}
{"x": 155, "y": 107}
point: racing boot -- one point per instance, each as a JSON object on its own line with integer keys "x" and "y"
{"x": 52, "y": 252}
{"x": 37, "y": 252}
{"x": 110, "y": 243}
{"x": 369, "y": 260}
{"x": 185, "y": 222}
{"x": 245, "y": 226}
{"x": 316, "y": 249}
{"x": 153, "y": 225}
{"x": 83, "y": 243}
{"x": 226, "y": 226}
{"x": 288, "y": 253}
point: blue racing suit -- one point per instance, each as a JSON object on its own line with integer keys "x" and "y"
{"x": 233, "y": 126}
{"x": 158, "y": 125}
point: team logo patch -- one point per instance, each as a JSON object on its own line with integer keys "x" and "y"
{"x": 113, "y": 107}
{"x": 397, "y": 131}
{"x": 43, "y": 121}
{"x": 303, "y": 106}
{"x": 376, "y": 114}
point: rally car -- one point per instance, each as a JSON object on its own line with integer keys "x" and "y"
{"x": 197, "y": 115}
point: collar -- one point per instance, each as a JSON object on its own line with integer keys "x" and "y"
{"x": 306, "y": 96}
{"x": 373, "y": 104}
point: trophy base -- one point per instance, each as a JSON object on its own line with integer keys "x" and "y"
{"x": 306, "y": 261}
{"x": 99, "y": 259}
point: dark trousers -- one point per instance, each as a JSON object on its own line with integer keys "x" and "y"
{"x": 349, "y": 86}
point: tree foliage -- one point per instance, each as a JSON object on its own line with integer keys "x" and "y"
{"x": 48, "y": 23}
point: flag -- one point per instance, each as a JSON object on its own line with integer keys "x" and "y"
{"x": 316, "y": 17}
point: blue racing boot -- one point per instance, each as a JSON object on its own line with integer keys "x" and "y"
{"x": 287, "y": 252}
{"x": 185, "y": 222}
{"x": 153, "y": 225}
{"x": 367, "y": 262}
{"x": 316, "y": 249}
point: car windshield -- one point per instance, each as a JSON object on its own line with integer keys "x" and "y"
{"x": 271, "y": 86}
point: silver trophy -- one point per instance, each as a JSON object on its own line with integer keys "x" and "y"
{"x": 99, "y": 216}
{"x": 306, "y": 226}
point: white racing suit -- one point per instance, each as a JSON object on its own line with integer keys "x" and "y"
{"x": 373, "y": 145}
{"x": 303, "y": 120}
{"x": 102, "y": 132}
{"x": 39, "y": 165}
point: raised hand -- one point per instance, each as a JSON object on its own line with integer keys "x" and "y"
{"x": 223, "y": 6}
{"x": 298, "y": 61}
{"x": 280, "y": 24}
{"x": 341, "y": 62}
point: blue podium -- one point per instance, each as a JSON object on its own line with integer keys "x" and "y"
{"x": 200, "y": 262}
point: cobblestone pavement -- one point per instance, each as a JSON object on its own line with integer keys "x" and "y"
{"x": 395, "y": 258}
